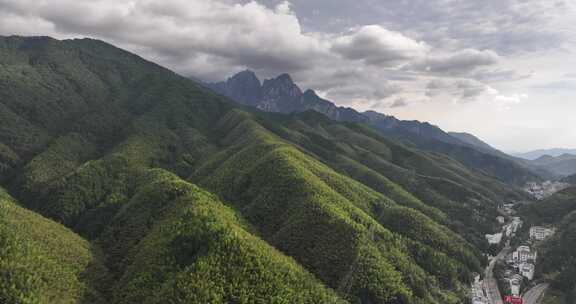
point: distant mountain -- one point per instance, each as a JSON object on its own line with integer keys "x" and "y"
{"x": 282, "y": 95}
{"x": 123, "y": 182}
{"x": 570, "y": 179}
{"x": 561, "y": 165}
{"x": 532, "y": 155}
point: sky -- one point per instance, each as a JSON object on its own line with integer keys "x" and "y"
{"x": 503, "y": 70}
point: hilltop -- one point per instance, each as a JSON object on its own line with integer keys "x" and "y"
{"x": 156, "y": 189}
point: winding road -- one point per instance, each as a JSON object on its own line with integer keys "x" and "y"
{"x": 535, "y": 293}
{"x": 490, "y": 283}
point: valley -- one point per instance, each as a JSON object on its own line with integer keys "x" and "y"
{"x": 124, "y": 182}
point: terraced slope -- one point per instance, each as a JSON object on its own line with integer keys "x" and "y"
{"x": 163, "y": 182}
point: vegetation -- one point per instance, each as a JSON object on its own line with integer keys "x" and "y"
{"x": 40, "y": 261}
{"x": 172, "y": 194}
{"x": 560, "y": 251}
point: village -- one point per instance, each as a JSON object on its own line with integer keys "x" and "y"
{"x": 510, "y": 272}
{"x": 545, "y": 189}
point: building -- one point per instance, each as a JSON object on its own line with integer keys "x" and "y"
{"x": 508, "y": 230}
{"x": 515, "y": 284}
{"x": 508, "y": 208}
{"x": 512, "y": 228}
{"x": 517, "y": 223}
{"x": 478, "y": 296}
{"x": 494, "y": 238}
{"x": 527, "y": 270}
{"x": 540, "y": 233}
{"x": 523, "y": 254}
{"x": 513, "y": 300}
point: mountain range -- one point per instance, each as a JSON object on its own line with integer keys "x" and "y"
{"x": 124, "y": 182}
{"x": 532, "y": 155}
{"x": 282, "y": 95}
{"x": 561, "y": 165}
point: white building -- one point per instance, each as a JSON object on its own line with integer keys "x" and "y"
{"x": 517, "y": 223}
{"x": 523, "y": 254}
{"x": 540, "y": 233}
{"x": 515, "y": 284}
{"x": 494, "y": 238}
{"x": 478, "y": 296}
{"x": 508, "y": 229}
{"x": 527, "y": 270}
{"x": 512, "y": 228}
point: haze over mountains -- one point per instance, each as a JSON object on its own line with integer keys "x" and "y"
{"x": 532, "y": 155}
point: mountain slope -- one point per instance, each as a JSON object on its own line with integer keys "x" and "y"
{"x": 167, "y": 182}
{"x": 559, "y": 263}
{"x": 41, "y": 261}
{"x": 475, "y": 141}
{"x": 562, "y": 165}
{"x": 570, "y": 179}
{"x": 282, "y": 95}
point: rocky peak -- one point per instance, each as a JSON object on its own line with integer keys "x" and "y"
{"x": 311, "y": 94}
{"x": 281, "y": 86}
{"x": 246, "y": 77}
{"x": 244, "y": 88}
{"x": 280, "y": 94}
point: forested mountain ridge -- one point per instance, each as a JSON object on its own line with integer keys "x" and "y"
{"x": 282, "y": 95}
{"x": 172, "y": 193}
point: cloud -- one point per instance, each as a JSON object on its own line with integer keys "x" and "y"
{"x": 234, "y": 35}
{"x": 504, "y": 102}
{"x": 562, "y": 85}
{"x": 471, "y": 90}
{"x": 378, "y": 46}
{"x": 437, "y": 87}
{"x": 463, "y": 90}
{"x": 458, "y": 63}
{"x": 507, "y": 27}
{"x": 399, "y": 103}
{"x": 500, "y": 75}
{"x": 210, "y": 39}
{"x": 356, "y": 91}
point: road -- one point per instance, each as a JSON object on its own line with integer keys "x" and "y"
{"x": 490, "y": 283}
{"x": 535, "y": 293}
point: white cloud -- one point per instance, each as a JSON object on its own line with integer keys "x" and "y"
{"x": 377, "y": 45}
{"x": 211, "y": 39}
{"x": 242, "y": 34}
{"x": 458, "y": 63}
{"x": 505, "y": 102}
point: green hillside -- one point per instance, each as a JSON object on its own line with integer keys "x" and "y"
{"x": 174, "y": 194}
{"x": 41, "y": 261}
{"x": 559, "y": 256}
